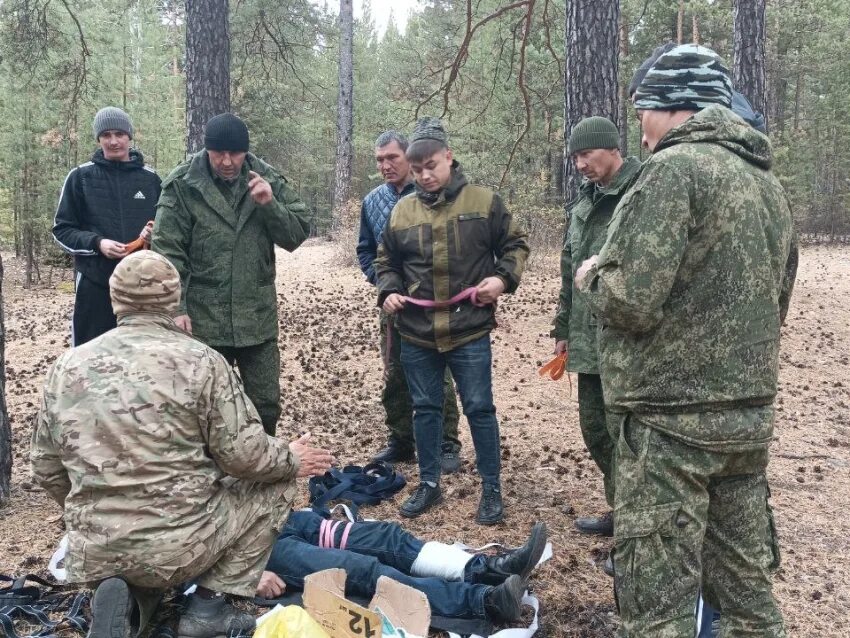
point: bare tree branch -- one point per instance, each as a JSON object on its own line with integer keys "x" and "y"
{"x": 521, "y": 82}
{"x": 549, "y": 39}
{"x": 463, "y": 52}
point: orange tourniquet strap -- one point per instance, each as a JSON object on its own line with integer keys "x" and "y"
{"x": 138, "y": 243}
{"x": 555, "y": 368}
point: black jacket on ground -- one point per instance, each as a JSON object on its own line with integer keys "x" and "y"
{"x": 102, "y": 199}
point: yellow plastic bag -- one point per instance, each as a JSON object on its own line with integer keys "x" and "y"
{"x": 289, "y": 622}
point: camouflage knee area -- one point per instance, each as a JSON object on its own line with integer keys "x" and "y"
{"x": 251, "y": 517}
{"x": 594, "y": 429}
{"x": 740, "y": 552}
{"x": 686, "y": 517}
{"x": 658, "y": 529}
{"x": 395, "y": 395}
{"x": 451, "y": 413}
{"x": 259, "y": 367}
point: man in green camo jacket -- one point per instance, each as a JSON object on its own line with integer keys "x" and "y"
{"x": 593, "y": 146}
{"x": 219, "y": 217}
{"x": 687, "y": 288}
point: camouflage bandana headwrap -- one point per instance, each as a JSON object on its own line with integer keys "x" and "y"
{"x": 429, "y": 128}
{"x": 144, "y": 282}
{"x": 689, "y": 77}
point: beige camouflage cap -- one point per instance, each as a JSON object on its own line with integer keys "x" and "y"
{"x": 144, "y": 282}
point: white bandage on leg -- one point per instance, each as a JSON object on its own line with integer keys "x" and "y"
{"x": 440, "y": 560}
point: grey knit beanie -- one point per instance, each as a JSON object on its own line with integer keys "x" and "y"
{"x": 593, "y": 132}
{"x": 111, "y": 118}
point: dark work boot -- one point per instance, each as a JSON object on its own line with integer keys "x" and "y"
{"x": 602, "y": 525}
{"x": 112, "y": 608}
{"x": 490, "y": 510}
{"x": 449, "y": 458}
{"x": 520, "y": 561}
{"x": 504, "y": 603}
{"x": 423, "y": 499}
{"x": 395, "y": 452}
{"x": 211, "y": 617}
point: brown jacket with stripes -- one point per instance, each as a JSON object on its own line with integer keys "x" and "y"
{"x": 435, "y": 250}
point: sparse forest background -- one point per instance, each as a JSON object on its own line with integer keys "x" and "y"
{"x": 493, "y": 68}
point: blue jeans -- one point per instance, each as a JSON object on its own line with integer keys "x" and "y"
{"x": 371, "y": 550}
{"x": 471, "y": 366}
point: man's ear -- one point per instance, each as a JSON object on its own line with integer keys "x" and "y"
{"x": 449, "y": 155}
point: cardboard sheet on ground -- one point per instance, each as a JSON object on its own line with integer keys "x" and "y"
{"x": 403, "y": 606}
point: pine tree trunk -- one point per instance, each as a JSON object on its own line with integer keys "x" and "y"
{"x": 207, "y": 66}
{"x": 5, "y": 427}
{"x": 624, "y": 89}
{"x": 590, "y": 81}
{"x": 345, "y": 105}
{"x": 749, "y": 40}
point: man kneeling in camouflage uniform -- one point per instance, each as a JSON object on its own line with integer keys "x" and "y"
{"x": 147, "y": 439}
{"x": 689, "y": 288}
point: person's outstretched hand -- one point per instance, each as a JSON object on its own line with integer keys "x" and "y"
{"x": 314, "y": 461}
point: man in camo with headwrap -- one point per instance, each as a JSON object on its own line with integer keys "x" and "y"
{"x": 687, "y": 287}
{"x": 148, "y": 441}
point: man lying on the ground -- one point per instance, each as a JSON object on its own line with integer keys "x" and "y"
{"x": 458, "y": 584}
{"x": 147, "y": 439}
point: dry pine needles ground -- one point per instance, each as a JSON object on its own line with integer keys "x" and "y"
{"x": 331, "y": 378}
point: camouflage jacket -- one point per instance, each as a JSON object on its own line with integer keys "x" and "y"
{"x": 224, "y": 250}
{"x": 136, "y": 431}
{"x": 689, "y": 281}
{"x": 434, "y": 251}
{"x": 589, "y": 217}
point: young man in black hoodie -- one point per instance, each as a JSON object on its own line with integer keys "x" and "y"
{"x": 104, "y": 204}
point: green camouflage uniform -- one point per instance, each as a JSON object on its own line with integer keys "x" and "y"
{"x": 688, "y": 289}
{"x": 575, "y": 323}
{"x": 146, "y": 438}
{"x": 222, "y": 244}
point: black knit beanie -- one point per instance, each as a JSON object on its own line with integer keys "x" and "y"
{"x": 226, "y": 132}
{"x": 644, "y": 68}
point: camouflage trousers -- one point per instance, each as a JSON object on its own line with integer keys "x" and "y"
{"x": 246, "y": 523}
{"x": 688, "y": 519}
{"x": 594, "y": 429}
{"x": 395, "y": 396}
{"x": 259, "y": 368}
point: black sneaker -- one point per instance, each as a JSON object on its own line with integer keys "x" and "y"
{"x": 504, "y": 603}
{"x": 395, "y": 452}
{"x": 112, "y": 608}
{"x": 490, "y": 509}
{"x": 520, "y": 561}
{"x": 602, "y": 525}
{"x": 449, "y": 458}
{"x": 423, "y": 499}
{"x": 212, "y": 617}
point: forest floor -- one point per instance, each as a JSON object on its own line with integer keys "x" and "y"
{"x": 331, "y": 376}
